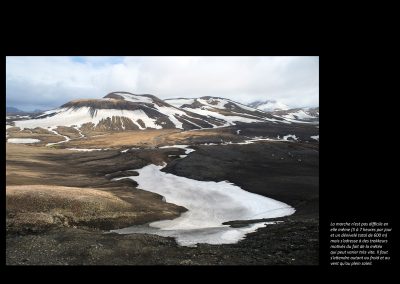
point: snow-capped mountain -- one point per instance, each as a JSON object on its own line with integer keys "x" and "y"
{"x": 299, "y": 114}
{"x": 222, "y": 109}
{"x": 283, "y": 111}
{"x": 268, "y": 105}
{"x": 120, "y": 111}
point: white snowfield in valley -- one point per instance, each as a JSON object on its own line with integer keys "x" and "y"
{"x": 22, "y": 140}
{"x": 209, "y": 205}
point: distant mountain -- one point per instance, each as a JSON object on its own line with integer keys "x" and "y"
{"x": 14, "y": 110}
{"x": 268, "y": 105}
{"x": 225, "y": 110}
{"x": 299, "y": 114}
{"x": 278, "y": 109}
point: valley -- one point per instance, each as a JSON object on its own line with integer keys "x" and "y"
{"x": 80, "y": 179}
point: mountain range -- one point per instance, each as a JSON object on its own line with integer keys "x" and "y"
{"x": 120, "y": 111}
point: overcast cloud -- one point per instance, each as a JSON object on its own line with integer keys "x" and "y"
{"x": 48, "y": 82}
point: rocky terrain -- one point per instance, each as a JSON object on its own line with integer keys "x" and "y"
{"x": 292, "y": 242}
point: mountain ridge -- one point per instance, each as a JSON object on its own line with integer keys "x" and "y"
{"x": 121, "y": 110}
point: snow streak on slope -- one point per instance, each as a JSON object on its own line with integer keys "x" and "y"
{"x": 222, "y": 103}
{"x": 229, "y": 120}
{"x": 225, "y": 110}
{"x": 209, "y": 205}
{"x": 171, "y": 112}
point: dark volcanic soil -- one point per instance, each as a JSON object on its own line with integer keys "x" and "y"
{"x": 285, "y": 171}
{"x": 293, "y": 242}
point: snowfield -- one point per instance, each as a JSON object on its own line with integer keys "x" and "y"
{"x": 86, "y": 150}
{"x": 209, "y": 205}
{"x": 22, "y": 140}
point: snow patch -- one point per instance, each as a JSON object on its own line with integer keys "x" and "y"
{"x": 185, "y": 147}
{"x": 209, "y": 205}
{"x": 22, "y": 140}
{"x": 290, "y": 136}
{"x": 86, "y": 150}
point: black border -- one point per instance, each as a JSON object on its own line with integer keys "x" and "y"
{"x": 344, "y": 82}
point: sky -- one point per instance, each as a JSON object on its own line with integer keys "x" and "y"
{"x": 34, "y": 82}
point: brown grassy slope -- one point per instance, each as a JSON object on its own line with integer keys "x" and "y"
{"x": 151, "y": 138}
{"x": 144, "y": 138}
{"x": 52, "y": 187}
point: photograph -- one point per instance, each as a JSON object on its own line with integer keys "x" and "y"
{"x": 162, "y": 160}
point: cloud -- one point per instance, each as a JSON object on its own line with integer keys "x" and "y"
{"x": 47, "y": 82}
